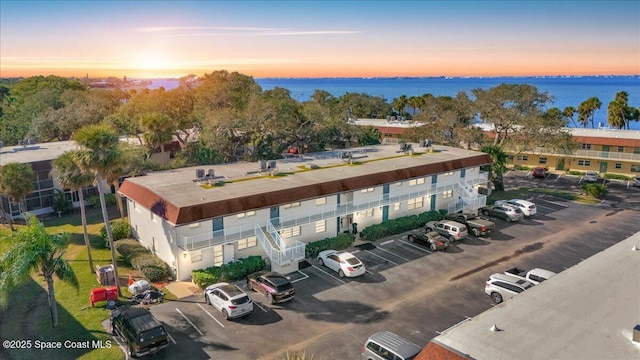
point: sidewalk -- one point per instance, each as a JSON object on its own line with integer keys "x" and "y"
{"x": 183, "y": 289}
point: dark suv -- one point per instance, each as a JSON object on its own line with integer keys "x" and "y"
{"x": 140, "y": 330}
{"x": 273, "y": 285}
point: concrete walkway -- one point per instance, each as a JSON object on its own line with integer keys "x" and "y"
{"x": 183, "y": 289}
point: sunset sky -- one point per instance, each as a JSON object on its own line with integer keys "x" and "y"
{"x": 147, "y": 39}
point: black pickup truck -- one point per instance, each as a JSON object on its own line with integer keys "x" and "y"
{"x": 140, "y": 330}
{"x": 476, "y": 225}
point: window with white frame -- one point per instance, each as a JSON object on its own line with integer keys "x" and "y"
{"x": 522, "y": 158}
{"x": 415, "y": 203}
{"x": 618, "y": 165}
{"x": 417, "y": 181}
{"x": 542, "y": 160}
{"x": 247, "y": 242}
{"x": 367, "y": 213}
{"x": 291, "y": 205}
{"x": 367, "y": 190}
{"x": 246, "y": 214}
{"x": 635, "y": 167}
{"x": 321, "y": 201}
{"x": 321, "y": 226}
{"x": 620, "y": 148}
{"x": 586, "y": 146}
{"x": 584, "y": 162}
{"x": 450, "y": 173}
{"x": 447, "y": 194}
{"x": 396, "y": 206}
{"x": 636, "y": 150}
{"x": 290, "y": 232}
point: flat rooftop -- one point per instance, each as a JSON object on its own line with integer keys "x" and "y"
{"x": 298, "y": 177}
{"x": 35, "y": 152}
{"x": 585, "y": 312}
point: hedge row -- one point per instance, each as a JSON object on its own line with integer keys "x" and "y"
{"x": 120, "y": 229}
{"x": 400, "y": 225}
{"x": 109, "y": 199}
{"x": 140, "y": 258}
{"x": 340, "y": 242}
{"x": 232, "y": 271}
{"x": 598, "y": 191}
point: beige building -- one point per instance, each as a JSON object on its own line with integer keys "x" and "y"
{"x": 604, "y": 151}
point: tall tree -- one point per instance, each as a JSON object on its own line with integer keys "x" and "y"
{"x": 99, "y": 155}
{"x": 158, "y": 131}
{"x": 70, "y": 175}
{"x": 498, "y": 167}
{"x": 587, "y": 109}
{"x": 618, "y": 111}
{"x": 16, "y": 182}
{"x": 568, "y": 114}
{"x": 36, "y": 250}
{"x": 399, "y": 105}
{"x": 416, "y": 103}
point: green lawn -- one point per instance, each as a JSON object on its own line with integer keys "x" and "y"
{"x": 28, "y": 318}
{"x": 525, "y": 192}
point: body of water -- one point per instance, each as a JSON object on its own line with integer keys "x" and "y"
{"x": 566, "y": 91}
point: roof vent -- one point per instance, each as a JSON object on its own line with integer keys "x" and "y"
{"x": 634, "y": 248}
{"x": 495, "y": 328}
{"x": 199, "y": 173}
{"x": 636, "y": 333}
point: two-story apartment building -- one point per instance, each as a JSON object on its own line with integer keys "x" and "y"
{"x": 601, "y": 150}
{"x": 195, "y": 218}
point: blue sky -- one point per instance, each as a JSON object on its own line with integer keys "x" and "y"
{"x": 319, "y": 38}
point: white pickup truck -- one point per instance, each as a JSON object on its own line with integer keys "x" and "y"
{"x": 534, "y": 276}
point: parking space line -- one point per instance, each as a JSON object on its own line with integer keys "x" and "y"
{"x": 171, "y": 338}
{"x": 333, "y": 277}
{"x": 304, "y": 278}
{"x": 355, "y": 251}
{"x": 415, "y": 246}
{"x": 258, "y": 305}
{"x": 369, "y": 272}
{"x": 208, "y": 313}
{"x": 376, "y": 255}
{"x": 189, "y": 321}
{"x": 386, "y": 242}
{"x": 405, "y": 259}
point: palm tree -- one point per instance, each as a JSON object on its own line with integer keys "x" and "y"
{"x": 498, "y": 167}
{"x": 158, "y": 131}
{"x": 35, "y": 249}
{"x": 99, "y": 154}
{"x": 17, "y": 182}
{"x": 70, "y": 176}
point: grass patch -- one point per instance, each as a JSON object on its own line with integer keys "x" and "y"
{"x": 28, "y": 317}
{"x": 525, "y": 192}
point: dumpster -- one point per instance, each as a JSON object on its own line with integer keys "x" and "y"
{"x": 103, "y": 294}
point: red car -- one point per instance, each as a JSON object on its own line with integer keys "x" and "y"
{"x": 539, "y": 172}
{"x": 276, "y": 287}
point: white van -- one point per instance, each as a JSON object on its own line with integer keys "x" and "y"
{"x": 386, "y": 345}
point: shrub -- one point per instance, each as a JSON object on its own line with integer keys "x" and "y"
{"x": 340, "y": 242}
{"x": 574, "y": 172}
{"x": 109, "y": 199}
{"x": 120, "y": 229}
{"x": 400, "y": 225}
{"x": 140, "y": 258}
{"x": 61, "y": 204}
{"x": 232, "y": 271}
{"x": 617, "y": 177}
{"x": 598, "y": 191}
{"x": 522, "y": 167}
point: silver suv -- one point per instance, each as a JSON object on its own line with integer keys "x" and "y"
{"x": 636, "y": 181}
{"x": 452, "y": 230}
{"x": 591, "y": 176}
{"x": 503, "y": 286}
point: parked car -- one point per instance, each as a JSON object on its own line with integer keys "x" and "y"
{"x": 528, "y": 208}
{"x": 591, "y": 176}
{"x": 452, "y": 230}
{"x": 508, "y": 213}
{"x": 501, "y": 287}
{"x": 539, "y": 172}
{"x": 477, "y": 226}
{"x": 229, "y": 299}
{"x": 386, "y": 345}
{"x": 274, "y": 286}
{"x": 534, "y": 276}
{"x": 432, "y": 239}
{"x": 636, "y": 181}
{"x": 142, "y": 333}
{"x": 342, "y": 262}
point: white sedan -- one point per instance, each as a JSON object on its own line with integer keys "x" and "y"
{"x": 344, "y": 263}
{"x": 229, "y": 299}
{"x": 527, "y": 207}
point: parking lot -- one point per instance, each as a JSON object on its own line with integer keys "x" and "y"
{"x": 407, "y": 289}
